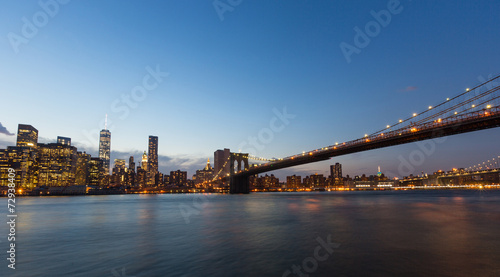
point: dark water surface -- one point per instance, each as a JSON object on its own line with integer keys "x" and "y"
{"x": 390, "y": 233}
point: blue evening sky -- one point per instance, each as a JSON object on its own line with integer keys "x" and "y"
{"x": 230, "y": 70}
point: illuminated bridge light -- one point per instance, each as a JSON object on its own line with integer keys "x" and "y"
{"x": 430, "y": 107}
{"x": 414, "y": 114}
{"x": 447, "y": 99}
{"x": 388, "y": 126}
{"x": 400, "y": 121}
{"x": 467, "y": 89}
{"x": 488, "y": 106}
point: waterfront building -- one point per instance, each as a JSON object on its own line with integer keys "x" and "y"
{"x": 57, "y": 164}
{"x": 27, "y": 136}
{"x": 205, "y": 175}
{"x": 178, "y": 178}
{"x": 24, "y": 161}
{"x": 96, "y": 172}
{"x": 152, "y": 161}
{"x": 293, "y": 181}
{"x": 315, "y": 181}
{"x": 221, "y": 163}
{"x": 82, "y": 169}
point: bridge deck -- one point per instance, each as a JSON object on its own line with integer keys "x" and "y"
{"x": 478, "y": 120}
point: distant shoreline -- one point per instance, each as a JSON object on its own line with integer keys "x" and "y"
{"x": 199, "y": 191}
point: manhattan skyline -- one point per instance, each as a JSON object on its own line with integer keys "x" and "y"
{"x": 215, "y": 83}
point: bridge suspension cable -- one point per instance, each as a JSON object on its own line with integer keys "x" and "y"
{"x": 486, "y": 165}
{"x": 222, "y": 168}
{"x": 482, "y": 101}
{"x": 460, "y": 104}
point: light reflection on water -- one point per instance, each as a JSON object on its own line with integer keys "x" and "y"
{"x": 402, "y": 233}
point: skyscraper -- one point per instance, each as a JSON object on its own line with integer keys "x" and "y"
{"x": 27, "y": 135}
{"x": 153, "y": 155}
{"x": 144, "y": 163}
{"x": 221, "y": 163}
{"x": 131, "y": 164}
{"x": 336, "y": 171}
{"x": 105, "y": 148}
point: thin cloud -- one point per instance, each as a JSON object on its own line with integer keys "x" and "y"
{"x": 4, "y": 130}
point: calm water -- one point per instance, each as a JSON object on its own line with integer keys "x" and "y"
{"x": 404, "y": 233}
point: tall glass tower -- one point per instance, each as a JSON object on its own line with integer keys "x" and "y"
{"x": 153, "y": 155}
{"x": 105, "y": 147}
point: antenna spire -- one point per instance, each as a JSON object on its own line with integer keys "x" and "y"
{"x": 106, "y": 122}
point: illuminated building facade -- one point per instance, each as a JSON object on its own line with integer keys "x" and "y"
{"x": 315, "y": 181}
{"x": 96, "y": 171}
{"x": 152, "y": 160}
{"x": 64, "y": 140}
{"x": 293, "y": 181}
{"x": 119, "y": 176}
{"x": 153, "y": 154}
{"x": 205, "y": 175}
{"x": 105, "y": 149}
{"x": 57, "y": 164}
{"x": 144, "y": 163}
{"x": 178, "y": 178}
{"x": 82, "y": 168}
{"x": 27, "y": 136}
{"x": 24, "y": 161}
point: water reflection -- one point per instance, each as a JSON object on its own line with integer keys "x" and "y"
{"x": 406, "y": 233}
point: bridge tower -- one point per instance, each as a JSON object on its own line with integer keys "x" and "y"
{"x": 238, "y": 184}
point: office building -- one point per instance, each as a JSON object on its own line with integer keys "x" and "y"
{"x": 221, "y": 162}
{"x": 64, "y": 140}
{"x": 82, "y": 168}
{"x": 57, "y": 164}
{"x": 178, "y": 178}
{"x": 105, "y": 149}
{"x": 153, "y": 154}
{"x": 96, "y": 172}
{"x": 27, "y": 136}
{"x": 144, "y": 163}
{"x": 293, "y": 181}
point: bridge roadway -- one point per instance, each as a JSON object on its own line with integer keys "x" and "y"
{"x": 473, "y": 121}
